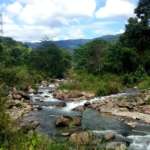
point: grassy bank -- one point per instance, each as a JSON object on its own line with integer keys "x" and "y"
{"x": 104, "y": 84}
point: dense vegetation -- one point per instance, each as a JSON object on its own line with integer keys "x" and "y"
{"x": 21, "y": 67}
{"x": 98, "y": 66}
{"x": 128, "y": 58}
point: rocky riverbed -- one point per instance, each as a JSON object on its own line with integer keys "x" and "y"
{"x": 118, "y": 121}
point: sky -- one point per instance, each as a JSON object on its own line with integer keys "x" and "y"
{"x": 36, "y": 20}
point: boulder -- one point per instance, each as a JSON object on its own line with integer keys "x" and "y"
{"x": 81, "y": 138}
{"x": 116, "y": 146}
{"x": 44, "y": 83}
{"x": 36, "y": 108}
{"x": 63, "y": 121}
{"x": 72, "y": 95}
{"x": 146, "y": 109}
{"x": 67, "y": 121}
{"x": 31, "y": 125}
{"x": 76, "y": 121}
{"x": 79, "y": 108}
{"x": 62, "y": 104}
{"x": 109, "y": 136}
{"x": 16, "y": 96}
{"x": 88, "y": 104}
{"x": 30, "y": 90}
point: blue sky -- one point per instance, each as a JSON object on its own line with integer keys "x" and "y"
{"x": 35, "y": 20}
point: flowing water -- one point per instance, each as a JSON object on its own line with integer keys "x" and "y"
{"x": 91, "y": 120}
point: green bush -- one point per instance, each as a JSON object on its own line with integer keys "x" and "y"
{"x": 108, "y": 88}
{"x": 20, "y": 76}
{"x": 99, "y": 84}
{"x": 145, "y": 83}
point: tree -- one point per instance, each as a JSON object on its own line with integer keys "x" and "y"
{"x": 12, "y": 53}
{"x": 121, "y": 59}
{"x": 143, "y": 11}
{"x": 50, "y": 59}
{"x": 90, "y": 57}
{"x": 137, "y": 34}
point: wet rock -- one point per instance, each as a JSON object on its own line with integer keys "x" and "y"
{"x": 72, "y": 95}
{"x": 16, "y": 112}
{"x": 80, "y": 109}
{"x": 81, "y": 138}
{"x": 76, "y": 121}
{"x": 67, "y": 121}
{"x": 62, "y": 104}
{"x": 63, "y": 121}
{"x": 65, "y": 134}
{"x": 28, "y": 126}
{"x": 92, "y": 120}
{"x": 87, "y": 104}
{"x": 30, "y": 90}
{"x": 19, "y": 95}
{"x": 44, "y": 83}
{"x": 46, "y": 96}
{"x": 116, "y": 146}
{"x": 109, "y": 136}
{"x": 36, "y": 108}
{"x": 146, "y": 109}
{"x": 134, "y": 115}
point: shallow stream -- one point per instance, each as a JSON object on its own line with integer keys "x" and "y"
{"x": 91, "y": 120}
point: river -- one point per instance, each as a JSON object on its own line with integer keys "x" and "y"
{"x": 91, "y": 120}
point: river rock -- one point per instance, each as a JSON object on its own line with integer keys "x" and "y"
{"x": 81, "y": 138}
{"x": 79, "y": 108}
{"x": 88, "y": 104}
{"x": 44, "y": 83}
{"x": 28, "y": 126}
{"x": 146, "y": 109}
{"x": 61, "y": 104}
{"x": 116, "y": 146}
{"x": 109, "y": 136}
{"x": 77, "y": 121}
{"x": 19, "y": 95}
{"x": 36, "y": 108}
{"x": 30, "y": 90}
{"x": 63, "y": 121}
{"x": 66, "y": 121}
{"x": 92, "y": 120}
{"x": 72, "y": 95}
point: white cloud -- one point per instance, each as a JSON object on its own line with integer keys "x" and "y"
{"x": 31, "y": 20}
{"x": 115, "y": 8}
{"x": 36, "y": 11}
{"x": 14, "y": 8}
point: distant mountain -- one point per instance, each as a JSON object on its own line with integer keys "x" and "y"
{"x": 110, "y": 38}
{"x": 72, "y": 44}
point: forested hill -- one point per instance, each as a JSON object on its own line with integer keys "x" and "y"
{"x": 72, "y": 44}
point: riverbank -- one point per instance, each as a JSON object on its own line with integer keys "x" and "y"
{"x": 130, "y": 105}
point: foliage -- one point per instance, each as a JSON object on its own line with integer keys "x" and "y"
{"x": 138, "y": 28}
{"x": 99, "y": 84}
{"x": 13, "y": 53}
{"x": 20, "y": 76}
{"x": 4, "y": 118}
{"x": 50, "y": 59}
{"x": 121, "y": 59}
{"x": 145, "y": 83}
{"x": 91, "y": 57}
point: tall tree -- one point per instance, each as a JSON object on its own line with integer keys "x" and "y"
{"x": 90, "y": 57}
{"x": 137, "y": 34}
{"x": 143, "y": 11}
